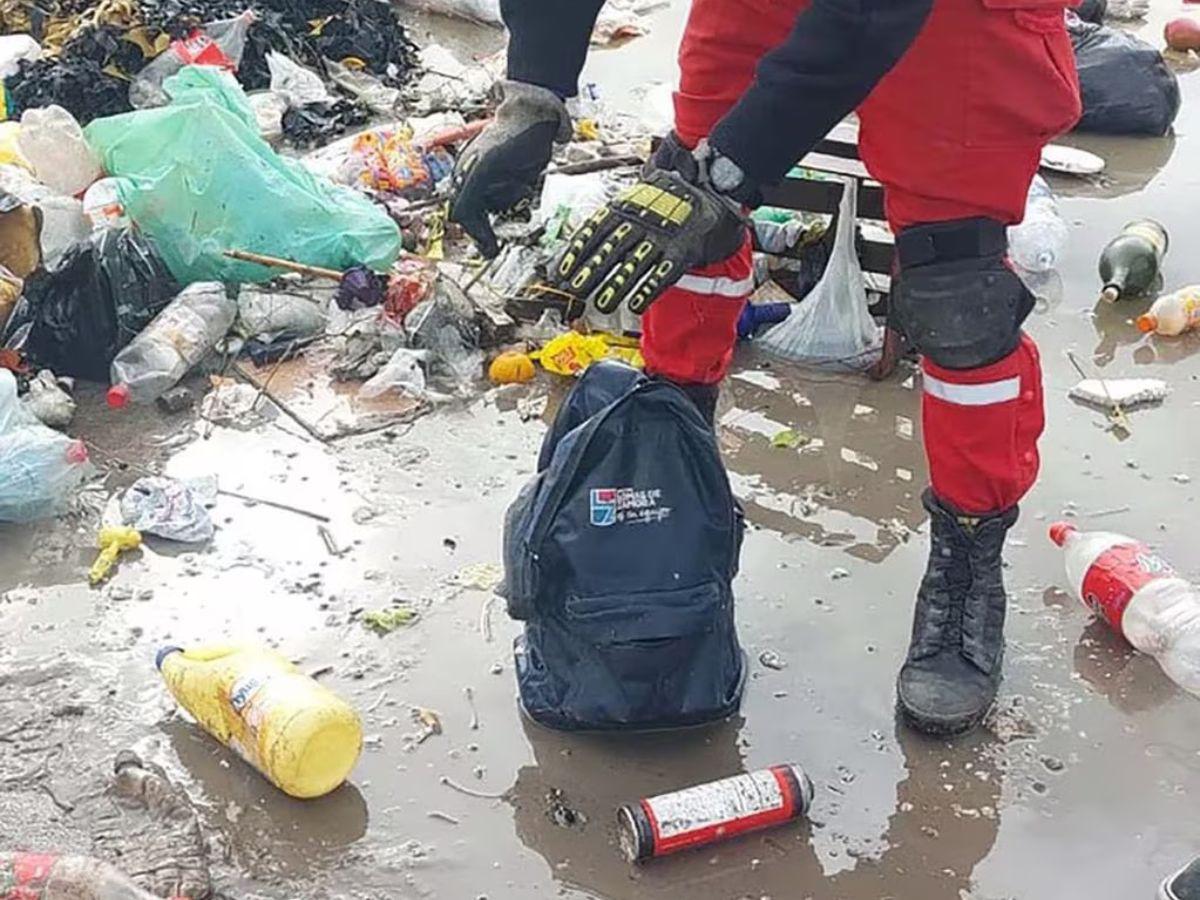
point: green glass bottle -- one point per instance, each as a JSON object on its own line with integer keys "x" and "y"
{"x": 1130, "y": 263}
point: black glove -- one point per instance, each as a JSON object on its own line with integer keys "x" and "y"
{"x": 503, "y": 164}
{"x": 675, "y": 219}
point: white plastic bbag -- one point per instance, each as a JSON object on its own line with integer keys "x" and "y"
{"x": 831, "y": 328}
{"x": 294, "y": 83}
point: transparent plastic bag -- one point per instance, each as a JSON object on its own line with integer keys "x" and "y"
{"x": 832, "y": 328}
{"x": 402, "y": 373}
{"x": 170, "y": 508}
{"x": 53, "y": 143}
{"x": 297, "y": 85}
{"x": 39, "y": 468}
{"x": 47, "y": 400}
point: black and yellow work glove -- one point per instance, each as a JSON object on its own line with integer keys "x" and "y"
{"x": 630, "y": 251}
{"x": 502, "y": 166}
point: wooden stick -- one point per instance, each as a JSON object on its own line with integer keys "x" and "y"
{"x": 278, "y": 263}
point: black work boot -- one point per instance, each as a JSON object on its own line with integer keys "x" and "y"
{"x": 1183, "y": 885}
{"x": 952, "y": 672}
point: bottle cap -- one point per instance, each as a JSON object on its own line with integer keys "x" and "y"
{"x": 163, "y": 653}
{"x": 1059, "y": 532}
{"x": 118, "y": 396}
{"x": 77, "y": 452}
{"x": 1147, "y": 322}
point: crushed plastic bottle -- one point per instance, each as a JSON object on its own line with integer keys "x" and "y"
{"x": 299, "y": 734}
{"x": 48, "y": 875}
{"x": 1038, "y": 242}
{"x": 39, "y": 468}
{"x": 178, "y": 338}
{"x": 1139, "y": 595}
{"x": 1173, "y": 314}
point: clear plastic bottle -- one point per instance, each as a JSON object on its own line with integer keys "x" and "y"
{"x": 1139, "y": 595}
{"x": 52, "y": 140}
{"x": 102, "y": 205}
{"x": 1173, "y": 314}
{"x": 178, "y": 338}
{"x": 1038, "y": 242}
{"x": 220, "y": 43}
{"x": 49, "y": 875}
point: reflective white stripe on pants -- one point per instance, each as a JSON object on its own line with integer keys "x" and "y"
{"x": 973, "y": 394}
{"x": 735, "y": 289}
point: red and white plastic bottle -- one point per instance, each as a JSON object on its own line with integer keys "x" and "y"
{"x": 1139, "y": 595}
{"x": 41, "y": 876}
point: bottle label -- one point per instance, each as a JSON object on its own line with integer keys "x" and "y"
{"x": 248, "y": 700}
{"x": 708, "y": 812}
{"x": 1151, "y": 233}
{"x": 200, "y": 49}
{"x": 27, "y": 876}
{"x": 1116, "y": 575}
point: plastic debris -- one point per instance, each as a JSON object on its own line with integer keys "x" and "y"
{"x": 219, "y": 44}
{"x": 270, "y": 312}
{"x": 1038, "y": 242}
{"x": 385, "y": 621}
{"x": 165, "y": 160}
{"x": 385, "y": 162}
{"x": 1127, "y": 87}
{"x": 402, "y": 373}
{"x": 234, "y": 404}
{"x": 77, "y": 316}
{"x": 571, "y": 352}
{"x": 832, "y": 328}
{"x": 297, "y": 85}
{"x": 170, "y": 508}
{"x": 178, "y": 338}
{"x": 39, "y": 468}
{"x": 46, "y": 399}
{"x": 53, "y": 143}
{"x": 789, "y": 439}
{"x": 445, "y": 326}
{"x": 113, "y": 540}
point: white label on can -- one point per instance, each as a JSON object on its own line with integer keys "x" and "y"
{"x": 707, "y": 805}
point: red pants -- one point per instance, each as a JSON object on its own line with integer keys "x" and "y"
{"x": 954, "y": 131}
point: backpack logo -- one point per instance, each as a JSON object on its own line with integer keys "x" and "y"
{"x": 604, "y": 507}
{"x": 627, "y": 506}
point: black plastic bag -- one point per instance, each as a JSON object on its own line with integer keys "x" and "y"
{"x": 103, "y": 292}
{"x": 1092, "y": 10}
{"x": 1127, "y": 87}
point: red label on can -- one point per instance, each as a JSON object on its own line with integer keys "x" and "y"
{"x": 28, "y": 876}
{"x": 1117, "y": 574}
{"x": 712, "y": 812}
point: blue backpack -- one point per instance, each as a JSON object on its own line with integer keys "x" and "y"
{"x": 619, "y": 558}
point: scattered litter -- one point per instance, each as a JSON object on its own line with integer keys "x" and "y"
{"x": 1128, "y": 393}
{"x": 42, "y": 468}
{"x": 235, "y": 404}
{"x": 1127, "y": 87}
{"x": 470, "y": 792}
{"x": 52, "y": 141}
{"x": 47, "y": 400}
{"x": 403, "y": 373}
{"x": 112, "y": 541}
{"x": 571, "y": 353}
{"x": 175, "y": 341}
{"x": 470, "y": 695}
{"x": 284, "y": 311}
{"x": 511, "y": 367}
{"x": 790, "y": 439}
{"x": 478, "y": 576}
{"x": 772, "y": 660}
{"x": 428, "y": 720}
{"x": 176, "y": 400}
{"x": 262, "y": 202}
{"x": 171, "y": 508}
{"x": 839, "y": 573}
{"x": 385, "y": 621}
{"x": 445, "y": 817}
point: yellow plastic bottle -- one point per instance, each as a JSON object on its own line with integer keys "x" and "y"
{"x": 300, "y": 735}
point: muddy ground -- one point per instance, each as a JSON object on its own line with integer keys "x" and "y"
{"x": 1083, "y": 785}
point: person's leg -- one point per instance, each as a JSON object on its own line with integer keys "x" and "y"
{"x": 688, "y": 334}
{"x": 954, "y": 133}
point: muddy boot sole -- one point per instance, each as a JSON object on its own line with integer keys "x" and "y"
{"x": 945, "y": 726}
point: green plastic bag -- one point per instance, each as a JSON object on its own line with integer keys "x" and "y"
{"x": 196, "y": 177}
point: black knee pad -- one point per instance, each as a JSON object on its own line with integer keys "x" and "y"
{"x": 956, "y": 298}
